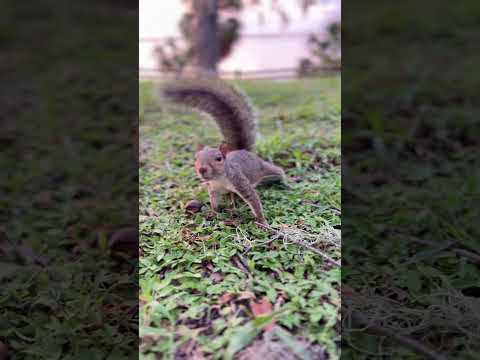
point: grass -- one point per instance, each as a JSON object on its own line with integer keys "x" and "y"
{"x": 69, "y": 174}
{"x": 411, "y": 250}
{"x": 201, "y": 275}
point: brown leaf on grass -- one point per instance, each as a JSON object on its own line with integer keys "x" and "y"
{"x": 188, "y": 235}
{"x": 225, "y": 298}
{"x": 267, "y": 348}
{"x": 190, "y": 350}
{"x": 216, "y": 277}
{"x": 197, "y": 354}
{"x": 263, "y": 307}
{"x": 246, "y": 295}
{"x": 282, "y": 296}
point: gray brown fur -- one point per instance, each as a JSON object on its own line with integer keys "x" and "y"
{"x": 234, "y": 169}
{"x": 228, "y": 106}
{"x": 241, "y": 172}
{"x": 245, "y": 171}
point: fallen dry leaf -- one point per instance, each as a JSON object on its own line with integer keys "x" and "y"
{"x": 263, "y": 307}
{"x": 280, "y": 299}
{"x": 198, "y": 354}
{"x": 216, "y": 277}
{"x": 246, "y": 295}
{"x": 225, "y": 298}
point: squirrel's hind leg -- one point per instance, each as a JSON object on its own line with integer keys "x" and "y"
{"x": 271, "y": 174}
{"x": 247, "y": 192}
{"x": 253, "y": 201}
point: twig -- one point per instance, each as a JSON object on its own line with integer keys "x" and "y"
{"x": 316, "y": 205}
{"x": 238, "y": 262}
{"x": 473, "y": 257}
{"x": 307, "y": 246}
{"x": 368, "y": 324}
{"x": 330, "y": 241}
{"x": 402, "y": 339}
{"x": 467, "y": 254}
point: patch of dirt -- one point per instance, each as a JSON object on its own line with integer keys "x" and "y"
{"x": 266, "y": 349}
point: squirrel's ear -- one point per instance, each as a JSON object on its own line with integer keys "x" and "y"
{"x": 200, "y": 147}
{"x": 223, "y": 147}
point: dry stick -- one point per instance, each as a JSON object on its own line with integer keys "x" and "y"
{"x": 309, "y": 247}
{"x": 469, "y": 255}
{"x": 402, "y": 339}
{"x": 238, "y": 262}
{"x": 406, "y": 340}
{"x": 473, "y": 257}
{"x": 321, "y": 207}
{"x": 337, "y": 245}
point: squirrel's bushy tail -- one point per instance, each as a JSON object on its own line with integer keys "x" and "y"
{"x": 230, "y": 108}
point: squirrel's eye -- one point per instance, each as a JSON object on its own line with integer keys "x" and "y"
{"x": 219, "y": 158}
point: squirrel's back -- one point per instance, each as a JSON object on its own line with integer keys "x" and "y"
{"x": 229, "y": 107}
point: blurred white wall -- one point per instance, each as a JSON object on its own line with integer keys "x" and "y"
{"x": 159, "y": 18}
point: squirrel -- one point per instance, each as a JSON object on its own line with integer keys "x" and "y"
{"x": 232, "y": 167}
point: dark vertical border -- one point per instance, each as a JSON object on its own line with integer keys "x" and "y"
{"x": 410, "y": 157}
{"x": 69, "y": 182}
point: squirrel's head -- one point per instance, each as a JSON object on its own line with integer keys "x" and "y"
{"x": 209, "y": 163}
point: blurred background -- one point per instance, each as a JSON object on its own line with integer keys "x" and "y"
{"x": 248, "y": 39}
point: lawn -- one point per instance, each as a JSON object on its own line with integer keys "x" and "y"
{"x": 69, "y": 174}
{"x": 411, "y": 156}
{"x": 217, "y": 286}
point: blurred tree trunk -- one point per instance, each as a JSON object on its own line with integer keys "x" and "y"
{"x": 207, "y": 47}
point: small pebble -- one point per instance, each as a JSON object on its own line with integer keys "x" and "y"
{"x": 297, "y": 179}
{"x": 193, "y": 206}
{"x": 126, "y": 241}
